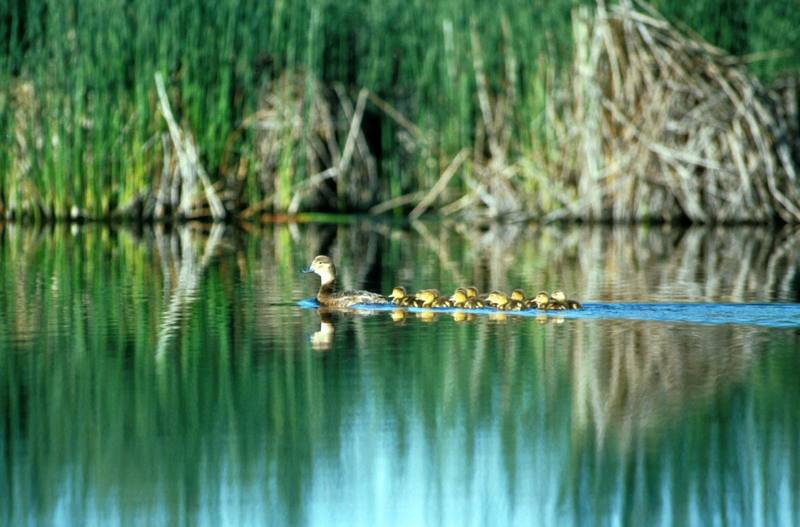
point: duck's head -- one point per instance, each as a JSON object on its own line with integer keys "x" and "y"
{"x": 497, "y": 298}
{"x": 427, "y": 295}
{"x": 398, "y": 293}
{"x": 518, "y": 295}
{"x": 323, "y": 266}
{"x": 471, "y": 291}
{"x": 559, "y": 296}
{"x": 541, "y": 298}
{"x": 459, "y": 296}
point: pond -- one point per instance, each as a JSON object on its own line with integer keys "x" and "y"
{"x": 174, "y": 377}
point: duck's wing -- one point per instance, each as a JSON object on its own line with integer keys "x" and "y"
{"x": 363, "y": 297}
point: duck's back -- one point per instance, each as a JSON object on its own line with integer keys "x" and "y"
{"x": 351, "y": 298}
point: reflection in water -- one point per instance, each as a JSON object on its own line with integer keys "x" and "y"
{"x": 404, "y": 421}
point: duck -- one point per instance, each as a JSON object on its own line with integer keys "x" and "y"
{"x": 540, "y": 301}
{"x": 561, "y": 298}
{"x": 400, "y": 297}
{"x": 323, "y": 267}
{"x": 501, "y": 301}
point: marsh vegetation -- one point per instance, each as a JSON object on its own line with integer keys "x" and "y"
{"x": 567, "y": 109}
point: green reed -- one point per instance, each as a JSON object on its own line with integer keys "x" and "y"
{"x": 90, "y": 122}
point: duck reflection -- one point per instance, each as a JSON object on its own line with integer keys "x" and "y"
{"x": 322, "y": 339}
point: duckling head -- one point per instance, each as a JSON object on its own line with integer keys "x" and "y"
{"x": 559, "y": 296}
{"x": 497, "y": 298}
{"x": 398, "y": 293}
{"x": 471, "y": 291}
{"x": 322, "y": 266}
{"x": 518, "y": 295}
{"x": 541, "y": 299}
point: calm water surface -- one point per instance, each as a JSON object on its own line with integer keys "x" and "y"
{"x": 171, "y": 378}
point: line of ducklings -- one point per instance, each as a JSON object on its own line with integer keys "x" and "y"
{"x": 470, "y": 298}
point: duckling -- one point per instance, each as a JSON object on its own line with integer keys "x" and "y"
{"x": 442, "y": 301}
{"x": 324, "y": 268}
{"x": 540, "y": 301}
{"x": 518, "y": 295}
{"x": 472, "y": 292}
{"x": 501, "y": 301}
{"x": 561, "y": 298}
{"x": 474, "y": 303}
{"x": 427, "y": 297}
{"x": 459, "y": 297}
{"x": 399, "y": 296}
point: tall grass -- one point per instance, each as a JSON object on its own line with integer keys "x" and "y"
{"x": 78, "y": 100}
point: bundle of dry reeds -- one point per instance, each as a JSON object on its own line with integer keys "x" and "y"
{"x": 300, "y": 131}
{"x": 669, "y": 126}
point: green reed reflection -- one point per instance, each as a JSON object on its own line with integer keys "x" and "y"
{"x": 169, "y": 378}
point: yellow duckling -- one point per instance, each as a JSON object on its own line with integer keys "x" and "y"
{"x": 519, "y": 296}
{"x": 540, "y": 301}
{"x": 459, "y": 297}
{"x": 474, "y": 300}
{"x": 501, "y": 301}
{"x": 399, "y": 297}
{"x": 561, "y": 298}
{"x": 427, "y": 297}
{"x": 474, "y": 303}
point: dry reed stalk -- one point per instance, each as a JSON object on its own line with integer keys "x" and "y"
{"x": 298, "y": 132}
{"x": 672, "y": 127}
{"x": 440, "y": 185}
{"x": 189, "y": 168}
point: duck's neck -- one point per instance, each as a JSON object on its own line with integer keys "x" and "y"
{"x": 326, "y": 286}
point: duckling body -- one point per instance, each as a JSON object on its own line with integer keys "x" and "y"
{"x": 500, "y": 300}
{"x": 518, "y": 295}
{"x": 474, "y": 303}
{"x": 459, "y": 297}
{"x": 427, "y": 297}
{"x": 561, "y": 298}
{"x": 442, "y": 302}
{"x": 324, "y": 268}
{"x": 400, "y": 297}
{"x": 540, "y": 301}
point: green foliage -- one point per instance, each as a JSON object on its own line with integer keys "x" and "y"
{"x": 92, "y": 121}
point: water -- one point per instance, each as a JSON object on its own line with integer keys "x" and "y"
{"x": 171, "y": 378}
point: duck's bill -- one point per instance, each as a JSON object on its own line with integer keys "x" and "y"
{"x": 306, "y": 270}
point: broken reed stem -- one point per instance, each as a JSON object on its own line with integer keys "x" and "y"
{"x": 189, "y": 166}
{"x": 344, "y": 163}
{"x": 440, "y": 185}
